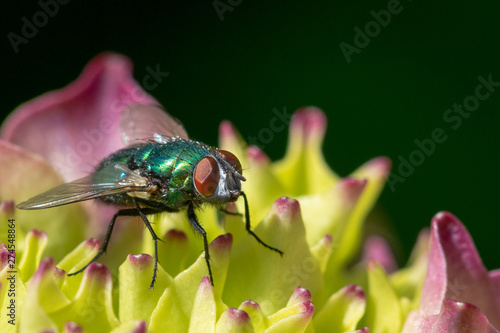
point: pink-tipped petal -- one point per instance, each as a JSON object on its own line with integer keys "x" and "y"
{"x": 457, "y": 286}
{"x": 35, "y": 243}
{"x": 376, "y": 248}
{"x": 140, "y": 261}
{"x": 234, "y": 320}
{"x": 342, "y": 311}
{"x": 59, "y": 275}
{"x": 462, "y": 318}
{"x": 287, "y": 209}
{"x": 455, "y": 270}
{"x": 90, "y": 245}
{"x": 256, "y": 156}
{"x": 307, "y": 308}
{"x": 174, "y": 252}
{"x": 72, "y": 327}
{"x": 222, "y": 244}
{"x": 495, "y": 283}
{"x": 354, "y": 291}
{"x": 136, "y": 298}
{"x": 363, "y": 330}
{"x": 350, "y": 190}
{"x": 227, "y": 131}
{"x": 309, "y": 122}
{"x": 5, "y": 256}
{"x": 299, "y": 295}
{"x": 7, "y": 208}
{"x": 250, "y": 304}
{"x": 174, "y": 235}
{"x": 205, "y": 282}
{"x": 238, "y": 315}
{"x": 44, "y": 288}
{"x": 98, "y": 272}
{"x": 140, "y": 328}
{"x": 46, "y": 266}
{"x": 381, "y": 164}
{"x": 259, "y": 321}
{"x": 297, "y": 316}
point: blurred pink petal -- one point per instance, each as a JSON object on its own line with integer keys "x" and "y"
{"x": 77, "y": 126}
{"x": 376, "y": 248}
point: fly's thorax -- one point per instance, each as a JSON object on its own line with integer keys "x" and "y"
{"x": 217, "y": 177}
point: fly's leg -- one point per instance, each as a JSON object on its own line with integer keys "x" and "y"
{"x": 247, "y": 226}
{"x": 142, "y": 213}
{"x": 107, "y": 237}
{"x": 193, "y": 220}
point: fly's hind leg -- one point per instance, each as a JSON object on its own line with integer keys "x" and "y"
{"x": 125, "y": 212}
{"x": 142, "y": 212}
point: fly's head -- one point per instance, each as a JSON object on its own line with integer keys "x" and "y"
{"x": 218, "y": 177}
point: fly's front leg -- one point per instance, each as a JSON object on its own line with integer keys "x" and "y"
{"x": 193, "y": 220}
{"x": 247, "y": 226}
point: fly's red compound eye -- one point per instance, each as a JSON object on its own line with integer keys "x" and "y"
{"x": 206, "y": 176}
{"x": 232, "y": 160}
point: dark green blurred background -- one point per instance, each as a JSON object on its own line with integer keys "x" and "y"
{"x": 273, "y": 55}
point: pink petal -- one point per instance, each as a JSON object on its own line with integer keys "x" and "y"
{"x": 456, "y": 270}
{"x": 456, "y": 317}
{"x": 308, "y": 123}
{"x": 71, "y": 327}
{"x": 462, "y": 318}
{"x": 376, "y": 248}
{"x": 5, "y": 255}
{"x": 495, "y": 283}
{"x": 257, "y": 156}
{"x": 299, "y": 295}
{"x": 363, "y": 330}
{"x": 77, "y": 126}
{"x": 455, "y": 276}
{"x": 7, "y": 208}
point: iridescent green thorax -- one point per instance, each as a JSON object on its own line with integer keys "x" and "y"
{"x": 169, "y": 165}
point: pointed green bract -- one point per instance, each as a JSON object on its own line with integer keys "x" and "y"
{"x": 270, "y": 278}
{"x": 175, "y": 305}
{"x": 204, "y": 313}
{"x": 303, "y": 170}
{"x": 36, "y": 241}
{"x": 136, "y": 299}
{"x": 342, "y": 311}
{"x": 234, "y": 321}
{"x": 92, "y": 305}
{"x": 44, "y": 298}
{"x": 383, "y": 310}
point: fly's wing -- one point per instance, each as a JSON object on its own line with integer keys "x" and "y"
{"x": 148, "y": 121}
{"x": 113, "y": 179}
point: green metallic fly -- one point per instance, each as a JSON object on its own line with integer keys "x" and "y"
{"x": 159, "y": 170}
